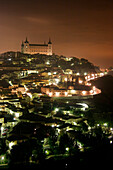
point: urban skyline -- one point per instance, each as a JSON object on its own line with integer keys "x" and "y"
{"x": 77, "y": 28}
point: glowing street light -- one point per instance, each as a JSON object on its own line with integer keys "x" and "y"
{"x": 56, "y": 109}
{"x": 11, "y": 145}
{"x": 65, "y": 79}
{"x": 83, "y": 92}
{"x": 2, "y": 158}
{"x": 80, "y": 81}
{"x": 91, "y": 91}
{"x": 85, "y": 74}
{"x": 67, "y": 148}
{"x": 77, "y": 74}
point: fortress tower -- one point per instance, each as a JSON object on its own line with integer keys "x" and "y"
{"x": 28, "y": 48}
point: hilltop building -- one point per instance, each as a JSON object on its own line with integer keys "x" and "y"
{"x": 28, "y": 48}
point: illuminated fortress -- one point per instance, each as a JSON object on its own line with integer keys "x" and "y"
{"x": 28, "y": 48}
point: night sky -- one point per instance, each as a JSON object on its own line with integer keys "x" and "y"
{"x": 82, "y": 28}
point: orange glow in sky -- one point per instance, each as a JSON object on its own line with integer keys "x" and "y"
{"x": 81, "y": 28}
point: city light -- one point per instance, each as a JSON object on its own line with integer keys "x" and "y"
{"x": 80, "y": 81}
{"x": 67, "y": 148}
{"x": 73, "y": 91}
{"x": 57, "y": 93}
{"x": 57, "y": 80}
{"x": 78, "y": 74}
{"x": 11, "y": 145}
{"x": 83, "y": 92}
{"x": 65, "y": 79}
{"x": 74, "y": 123}
{"x": 111, "y": 141}
{"x": 66, "y": 93}
{"x": 105, "y": 124}
{"x": 91, "y": 91}
{"x": 50, "y": 94}
{"x": 94, "y": 88}
{"x": 49, "y": 74}
{"x": 17, "y": 114}
{"x": 88, "y": 84}
{"x": 56, "y": 109}
{"x": 2, "y": 158}
{"x": 48, "y": 62}
{"x": 85, "y": 74}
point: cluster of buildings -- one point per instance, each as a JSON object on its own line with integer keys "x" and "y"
{"x": 27, "y": 80}
{"x": 48, "y": 80}
{"x": 36, "y": 80}
{"x": 57, "y": 84}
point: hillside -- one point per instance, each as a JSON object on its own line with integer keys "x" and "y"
{"x": 104, "y": 101}
{"x": 80, "y": 65}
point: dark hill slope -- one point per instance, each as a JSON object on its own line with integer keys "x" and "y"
{"x": 104, "y": 101}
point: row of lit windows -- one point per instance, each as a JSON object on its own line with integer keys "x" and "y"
{"x": 57, "y": 93}
{"x": 38, "y": 51}
{"x": 38, "y": 48}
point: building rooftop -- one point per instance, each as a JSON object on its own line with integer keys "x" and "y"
{"x": 4, "y": 83}
{"x": 38, "y": 44}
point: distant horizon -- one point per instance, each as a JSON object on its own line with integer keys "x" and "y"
{"x": 79, "y": 57}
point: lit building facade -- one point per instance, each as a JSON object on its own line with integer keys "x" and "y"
{"x": 28, "y": 48}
